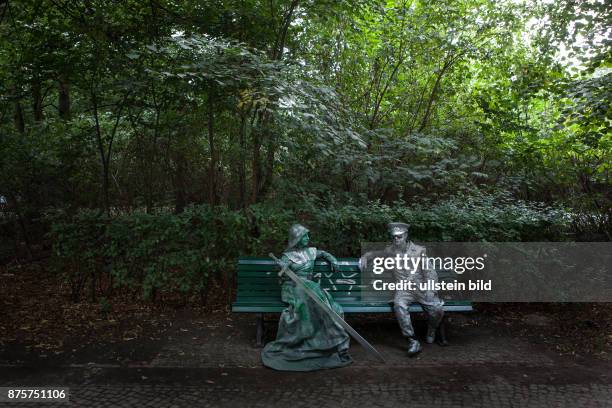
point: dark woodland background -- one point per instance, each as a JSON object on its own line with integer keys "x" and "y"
{"x": 145, "y": 145}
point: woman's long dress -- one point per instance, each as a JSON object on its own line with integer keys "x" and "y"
{"x": 308, "y": 339}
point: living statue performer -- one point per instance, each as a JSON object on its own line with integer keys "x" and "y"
{"x": 429, "y": 300}
{"x": 308, "y": 339}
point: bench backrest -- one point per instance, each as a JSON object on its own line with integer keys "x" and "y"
{"x": 258, "y": 280}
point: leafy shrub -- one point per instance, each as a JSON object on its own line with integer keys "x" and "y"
{"x": 179, "y": 253}
{"x": 149, "y": 252}
{"x": 79, "y": 244}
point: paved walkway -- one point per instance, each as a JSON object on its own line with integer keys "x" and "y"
{"x": 204, "y": 364}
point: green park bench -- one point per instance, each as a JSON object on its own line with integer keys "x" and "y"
{"x": 258, "y": 290}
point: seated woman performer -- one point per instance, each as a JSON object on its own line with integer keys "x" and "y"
{"x": 308, "y": 339}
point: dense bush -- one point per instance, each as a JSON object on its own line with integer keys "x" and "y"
{"x": 149, "y": 252}
{"x": 179, "y": 253}
{"x": 475, "y": 218}
{"x": 79, "y": 249}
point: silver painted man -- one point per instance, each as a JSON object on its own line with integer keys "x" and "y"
{"x": 429, "y": 300}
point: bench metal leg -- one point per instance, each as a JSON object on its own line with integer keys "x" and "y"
{"x": 260, "y": 330}
{"x": 442, "y": 341}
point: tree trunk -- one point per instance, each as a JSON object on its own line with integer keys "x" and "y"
{"x": 103, "y": 158}
{"x": 269, "y": 165}
{"x": 37, "y": 100}
{"x": 256, "y": 166}
{"x": 19, "y": 121}
{"x": 262, "y": 177}
{"x": 20, "y": 222}
{"x": 214, "y": 195}
{"x": 433, "y": 94}
{"x": 63, "y": 99}
{"x": 179, "y": 187}
{"x": 242, "y": 161}
{"x": 281, "y": 37}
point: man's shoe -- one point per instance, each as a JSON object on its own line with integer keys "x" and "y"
{"x": 414, "y": 347}
{"x": 431, "y": 335}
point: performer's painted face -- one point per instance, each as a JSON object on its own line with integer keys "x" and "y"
{"x": 304, "y": 240}
{"x": 400, "y": 239}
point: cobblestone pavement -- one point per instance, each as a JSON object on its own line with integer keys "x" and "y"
{"x": 465, "y": 386}
{"x": 215, "y": 364}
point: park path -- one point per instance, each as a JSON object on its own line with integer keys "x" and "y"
{"x": 213, "y": 362}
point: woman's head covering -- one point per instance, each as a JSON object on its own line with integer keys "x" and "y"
{"x": 296, "y": 232}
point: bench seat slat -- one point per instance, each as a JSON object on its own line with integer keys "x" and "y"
{"x": 358, "y": 308}
{"x": 342, "y": 301}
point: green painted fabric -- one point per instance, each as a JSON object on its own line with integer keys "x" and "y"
{"x": 308, "y": 339}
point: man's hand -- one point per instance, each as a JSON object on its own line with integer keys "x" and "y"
{"x": 365, "y": 259}
{"x": 363, "y": 263}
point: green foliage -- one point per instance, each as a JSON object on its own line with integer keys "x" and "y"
{"x": 164, "y": 252}
{"x": 342, "y": 114}
{"x": 388, "y": 99}
{"x": 149, "y": 252}
{"x": 78, "y": 249}
{"x": 486, "y": 217}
